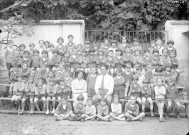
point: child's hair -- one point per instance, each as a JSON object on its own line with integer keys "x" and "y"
{"x": 116, "y": 97}
{"x": 80, "y": 97}
{"x": 22, "y": 45}
{"x": 103, "y": 100}
{"x": 55, "y": 51}
{"x": 159, "y": 79}
{"x": 155, "y": 51}
{"x": 170, "y": 42}
{"x": 31, "y": 44}
{"x": 36, "y": 51}
{"x": 26, "y": 52}
{"x": 60, "y": 38}
{"x": 70, "y": 36}
{"x": 41, "y": 42}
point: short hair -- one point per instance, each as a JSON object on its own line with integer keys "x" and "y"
{"x": 31, "y": 44}
{"x": 132, "y": 97}
{"x": 78, "y": 72}
{"x": 22, "y": 45}
{"x": 60, "y": 38}
{"x": 103, "y": 100}
{"x": 104, "y": 65}
{"x": 70, "y": 36}
{"x": 26, "y": 52}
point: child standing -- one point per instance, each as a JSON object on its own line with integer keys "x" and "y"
{"x": 160, "y": 93}
{"x": 26, "y": 58}
{"x": 35, "y": 60}
{"x": 132, "y": 110}
{"x": 103, "y": 111}
{"x": 111, "y": 62}
{"x": 90, "y": 110}
{"x": 79, "y": 110}
{"x": 170, "y": 47}
{"x": 91, "y": 79}
{"x": 63, "y": 110}
{"x": 55, "y": 60}
{"x": 60, "y": 48}
{"x": 116, "y": 108}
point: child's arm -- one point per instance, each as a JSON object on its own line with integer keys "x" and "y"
{"x": 57, "y": 111}
{"x": 136, "y": 112}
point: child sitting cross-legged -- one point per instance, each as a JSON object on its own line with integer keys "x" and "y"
{"x": 90, "y": 110}
{"x": 132, "y": 110}
{"x": 79, "y": 110}
{"x": 63, "y": 110}
{"x": 103, "y": 111}
{"x": 116, "y": 108}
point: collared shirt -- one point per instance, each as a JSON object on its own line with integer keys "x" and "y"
{"x": 108, "y": 83}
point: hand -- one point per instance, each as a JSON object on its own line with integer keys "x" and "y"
{"x": 129, "y": 111}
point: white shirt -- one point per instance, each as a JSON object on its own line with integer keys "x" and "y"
{"x": 160, "y": 92}
{"x": 108, "y": 83}
{"x": 78, "y": 86}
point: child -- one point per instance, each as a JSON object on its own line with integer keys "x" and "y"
{"x": 172, "y": 96}
{"x": 91, "y": 79}
{"x": 68, "y": 80}
{"x": 103, "y": 111}
{"x": 159, "y": 45}
{"x": 40, "y": 93}
{"x": 50, "y": 49}
{"x": 60, "y": 71}
{"x": 113, "y": 47}
{"x": 170, "y": 47}
{"x": 44, "y": 61}
{"x": 83, "y": 61}
{"x": 79, "y": 110}
{"x": 9, "y": 55}
{"x": 147, "y": 59}
{"x": 111, "y": 62}
{"x": 87, "y": 47}
{"x": 74, "y": 62}
{"x": 146, "y": 94}
{"x": 32, "y": 48}
{"x": 25, "y": 71}
{"x": 35, "y": 60}
{"x": 132, "y": 110}
{"x": 149, "y": 75}
{"x": 63, "y": 110}
{"x": 128, "y": 55}
{"x": 41, "y": 44}
{"x": 65, "y": 60}
{"x": 79, "y": 49}
{"x": 174, "y": 60}
{"x": 167, "y": 74}
{"x": 116, "y": 108}
{"x": 123, "y": 44}
{"x": 118, "y": 60}
{"x": 55, "y": 60}
{"x": 135, "y": 90}
{"x": 22, "y": 48}
{"x": 18, "y": 91}
{"x": 29, "y": 91}
{"x": 60, "y": 48}
{"x": 160, "y": 93}
{"x": 70, "y": 45}
{"x": 136, "y": 46}
{"x": 165, "y": 59}
{"x": 90, "y": 110}
{"x": 26, "y": 58}
{"x": 152, "y": 46}
{"x": 16, "y": 60}
{"x": 101, "y": 59}
{"x": 155, "y": 57}
{"x": 119, "y": 84}
{"x": 62, "y": 91}
{"x": 51, "y": 95}
{"x": 91, "y": 60}
{"x": 137, "y": 58}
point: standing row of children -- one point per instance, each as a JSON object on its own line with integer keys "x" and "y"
{"x": 139, "y": 76}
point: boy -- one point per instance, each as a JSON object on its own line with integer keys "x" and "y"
{"x": 22, "y": 48}
{"x": 25, "y": 71}
{"x": 170, "y": 47}
{"x": 26, "y": 58}
{"x": 132, "y": 110}
{"x": 116, "y": 110}
{"x": 87, "y": 47}
{"x": 164, "y": 58}
{"x": 128, "y": 55}
{"x": 74, "y": 62}
{"x": 91, "y": 60}
{"x": 70, "y": 45}
{"x": 14, "y": 72}
{"x": 136, "y": 46}
{"x": 172, "y": 96}
{"x": 103, "y": 111}
{"x": 101, "y": 59}
{"x": 159, "y": 46}
{"x": 32, "y": 48}
{"x": 146, "y": 94}
{"x": 16, "y": 60}
{"x": 83, "y": 61}
{"x": 123, "y": 44}
{"x": 55, "y": 60}
{"x": 60, "y": 48}
{"x": 90, "y": 110}
{"x": 146, "y": 60}
{"x": 63, "y": 110}
{"x": 44, "y": 61}
{"x": 118, "y": 60}
{"x": 155, "y": 57}
{"x": 137, "y": 57}
{"x": 113, "y": 47}
{"x": 167, "y": 74}
{"x": 152, "y": 46}
{"x": 110, "y": 62}
{"x": 79, "y": 110}
{"x": 35, "y": 60}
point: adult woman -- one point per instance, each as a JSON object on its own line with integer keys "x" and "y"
{"x": 79, "y": 87}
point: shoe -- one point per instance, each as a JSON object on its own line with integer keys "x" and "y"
{"x": 97, "y": 119}
{"x": 152, "y": 114}
{"x": 57, "y": 119}
{"x": 53, "y": 111}
{"x": 163, "y": 120}
{"x": 47, "y": 112}
{"x": 82, "y": 120}
{"x": 160, "y": 119}
{"x": 178, "y": 117}
{"x": 109, "y": 120}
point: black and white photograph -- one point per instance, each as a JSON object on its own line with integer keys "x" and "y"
{"x": 94, "y": 67}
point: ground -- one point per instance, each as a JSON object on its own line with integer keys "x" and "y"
{"x": 11, "y": 124}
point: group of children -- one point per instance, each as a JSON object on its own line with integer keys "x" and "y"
{"x": 46, "y": 75}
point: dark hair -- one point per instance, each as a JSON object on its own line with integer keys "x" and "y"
{"x": 70, "y": 36}
{"x": 104, "y": 65}
{"x": 79, "y": 72}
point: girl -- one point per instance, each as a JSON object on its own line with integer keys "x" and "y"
{"x": 16, "y": 59}
{"x": 113, "y": 47}
{"x": 61, "y": 91}
{"x": 116, "y": 110}
{"x": 91, "y": 60}
{"x": 91, "y": 79}
{"x": 29, "y": 94}
{"x": 84, "y": 61}
{"x": 60, "y": 48}
{"x": 146, "y": 94}
{"x": 18, "y": 92}
{"x": 118, "y": 60}
{"x": 40, "y": 93}
{"x": 90, "y": 110}
{"x": 51, "y": 95}
{"x": 74, "y": 62}
{"x": 103, "y": 111}
{"x": 160, "y": 93}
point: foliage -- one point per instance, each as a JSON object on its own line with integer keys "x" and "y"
{"x": 98, "y": 14}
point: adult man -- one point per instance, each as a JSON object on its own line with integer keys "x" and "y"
{"x": 104, "y": 85}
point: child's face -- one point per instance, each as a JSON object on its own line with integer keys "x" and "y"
{"x": 74, "y": 52}
{"x": 137, "y": 53}
{"x": 79, "y": 48}
{"x": 172, "y": 55}
{"x": 45, "y": 55}
{"x": 84, "y": 54}
{"x": 155, "y": 54}
{"x": 55, "y": 54}
{"x": 64, "y": 102}
{"x": 51, "y": 48}
{"x": 30, "y": 81}
{"x": 25, "y": 66}
{"x": 16, "y": 53}
{"x": 103, "y": 103}
{"x": 11, "y": 45}
{"x": 32, "y": 47}
{"x": 159, "y": 82}
{"x": 51, "y": 83}
{"x": 127, "y": 69}
{"x": 51, "y": 74}
{"x": 116, "y": 100}
{"x": 118, "y": 53}
{"x": 168, "y": 69}
{"x": 170, "y": 45}
{"x": 145, "y": 84}
{"x": 164, "y": 52}
{"x": 40, "y": 82}
{"x": 170, "y": 83}
{"x": 106, "y": 42}
{"x": 133, "y": 100}
{"x": 138, "y": 71}
{"x": 26, "y": 55}
{"x": 89, "y": 103}
{"x": 67, "y": 74}
{"x": 124, "y": 40}
{"x": 36, "y": 54}
{"x": 87, "y": 46}
{"x": 118, "y": 73}
{"x": 70, "y": 39}
{"x": 80, "y": 75}
{"x": 60, "y": 42}
{"x": 22, "y": 48}
{"x": 93, "y": 70}
{"x": 62, "y": 83}
{"x": 110, "y": 54}
{"x": 113, "y": 44}
{"x": 80, "y": 101}
{"x": 153, "y": 45}
{"x": 147, "y": 54}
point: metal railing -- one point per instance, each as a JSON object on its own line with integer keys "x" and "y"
{"x": 142, "y": 36}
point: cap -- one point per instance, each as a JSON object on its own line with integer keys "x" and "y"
{"x": 80, "y": 97}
